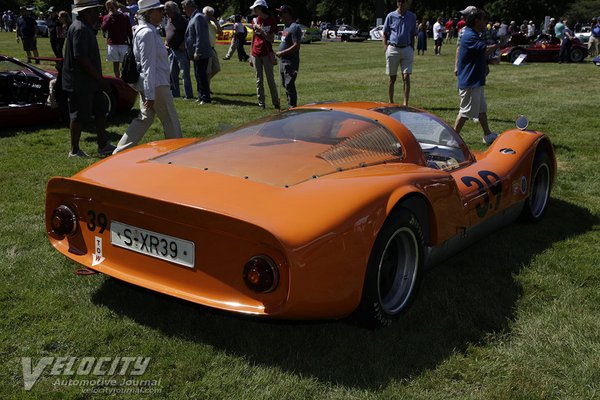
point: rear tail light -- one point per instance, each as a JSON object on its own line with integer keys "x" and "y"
{"x": 63, "y": 221}
{"x": 261, "y": 274}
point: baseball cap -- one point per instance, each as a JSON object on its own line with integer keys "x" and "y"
{"x": 469, "y": 10}
{"x": 285, "y": 9}
{"x": 259, "y": 3}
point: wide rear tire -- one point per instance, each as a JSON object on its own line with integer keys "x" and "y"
{"x": 393, "y": 272}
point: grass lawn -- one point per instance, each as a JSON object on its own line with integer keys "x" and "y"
{"x": 513, "y": 317}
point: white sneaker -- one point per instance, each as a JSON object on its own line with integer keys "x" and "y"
{"x": 107, "y": 150}
{"x": 489, "y": 138}
{"x": 80, "y": 153}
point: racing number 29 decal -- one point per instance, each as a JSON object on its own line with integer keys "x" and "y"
{"x": 485, "y": 189}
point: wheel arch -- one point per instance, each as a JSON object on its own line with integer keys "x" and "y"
{"x": 418, "y": 204}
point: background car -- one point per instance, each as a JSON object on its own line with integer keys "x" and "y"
{"x": 376, "y": 33}
{"x": 24, "y": 91}
{"x": 41, "y": 29}
{"x": 322, "y": 211}
{"x": 309, "y": 35}
{"x": 584, "y": 34}
{"x": 348, "y": 33}
{"x": 544, "y": 48}
{"x": 227, "y": 34}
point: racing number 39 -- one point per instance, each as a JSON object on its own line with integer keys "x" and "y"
{"x": 485, "y": 188}
{"x": 99, "y": 220}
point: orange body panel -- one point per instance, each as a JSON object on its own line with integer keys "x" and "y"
{"x": 319, "y": 232}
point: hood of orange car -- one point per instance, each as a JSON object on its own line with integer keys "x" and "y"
{"x": 291, "y": 148}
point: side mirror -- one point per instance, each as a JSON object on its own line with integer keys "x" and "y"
{"x": 522, "y": 122}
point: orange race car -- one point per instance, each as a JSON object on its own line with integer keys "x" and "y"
{"x": 322, "y": 211}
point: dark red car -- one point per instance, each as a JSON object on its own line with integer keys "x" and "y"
{"x": 544, "y": 48}
{"x": 24, "y": 90}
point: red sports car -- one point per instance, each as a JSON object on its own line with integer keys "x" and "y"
{"x": 544, "y": 48}
{"x": 24, "y": 91}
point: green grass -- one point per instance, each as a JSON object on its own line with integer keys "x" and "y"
{"x": 513, "y": 317}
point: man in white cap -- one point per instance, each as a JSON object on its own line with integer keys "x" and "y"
{"x": 154, "y": 83}
{"x": 82, "y": 77}
{"x": 265, "y": 28}
{"x": 471, "y": 71}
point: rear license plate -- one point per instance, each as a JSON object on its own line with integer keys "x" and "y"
{"x": 152, "y": 244}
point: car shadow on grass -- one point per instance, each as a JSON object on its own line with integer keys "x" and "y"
{"x": 461, "y": 302}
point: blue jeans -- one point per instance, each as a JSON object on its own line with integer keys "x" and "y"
{"x": 178, "y": 61}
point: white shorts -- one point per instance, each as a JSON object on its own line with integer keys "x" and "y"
{"x": 116, "y": 52}
{"x": 472, "y": 102}
{"x": 398, "y": 57}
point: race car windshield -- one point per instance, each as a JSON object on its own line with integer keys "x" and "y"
{"x": 292, "y": 147}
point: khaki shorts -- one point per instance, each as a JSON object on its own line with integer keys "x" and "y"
{"x": 472, "y": 102}
{"x": 396, "y": 57}
{"x": 116, "y": 52}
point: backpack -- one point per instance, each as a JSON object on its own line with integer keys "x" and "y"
{"x": 596, "y": 31}
{"x": 130, "y": 71}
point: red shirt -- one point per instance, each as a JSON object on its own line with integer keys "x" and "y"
{"x": 260, "y": 46}
{"x": 460, "y": 24}
{"x": 117, "y": 27}
{"x": 449, "y": 25}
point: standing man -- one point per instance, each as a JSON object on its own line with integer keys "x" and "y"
{"x": 289, "y": 53}
{"x": 154, "y": 84}
{"x": 471, "y": 71}
{"x": 593, "y": 44}
{"x": 198, "y": 48}
{"x": 214, "y": 29}
{"x": 449, "y": 30}
{"x": 26, "y": 33}
{"x": 118, "y": 35}
{"x": 82, "y": 77}
{"x": 52, "y": 23}
{"x": 178, "y": 58}
{"x": 438, "y": 36}
{"x": 399, "y": 31}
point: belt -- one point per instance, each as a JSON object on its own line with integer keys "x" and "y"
{"x": 400, "y": 46}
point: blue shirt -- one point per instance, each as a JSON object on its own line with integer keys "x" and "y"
{"x": 472, "y": 62}
{"x": 400, "y": 30}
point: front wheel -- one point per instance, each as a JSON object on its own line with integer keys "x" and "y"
{"x": 393, "y": 272}
{"x": 541, "y": 180}
{"x": 515, "y": 54}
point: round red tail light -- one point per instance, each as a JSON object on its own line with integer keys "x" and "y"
{"x": 63, "y": 221}
{"x": 261, "y": 274}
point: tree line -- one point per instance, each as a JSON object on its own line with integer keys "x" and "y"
{"x": 364, "y": 13}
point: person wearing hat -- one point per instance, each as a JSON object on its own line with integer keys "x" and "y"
{"x": 289, "y": 53}
{"x": 265, "y": 28}
{"x": 154, "y": 84}
{"x": 52, "y": 23}
{"x": 82, "y": 77}
{"x": 471, "y": 71}
{"x": 399, "y": 32}
{"x": 26, "y": 33}
{"x": 197, "y": 45}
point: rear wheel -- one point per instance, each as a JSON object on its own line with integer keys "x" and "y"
{"x": 541, "y": 178}
{"x": 576, "y": 55}
{"x": 393, "y": 271}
